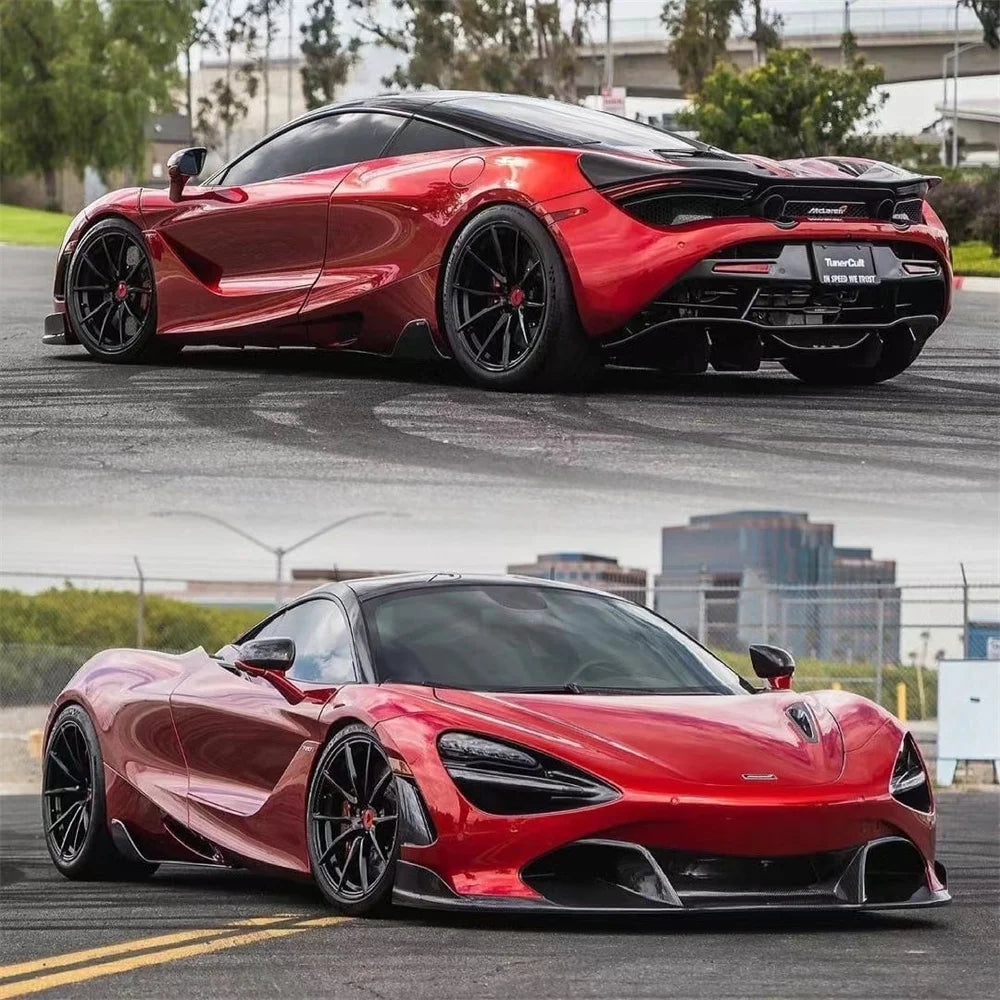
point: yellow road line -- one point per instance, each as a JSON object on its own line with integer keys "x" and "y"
{"x": 86, "y": 972}
{"x": 142, "y": 944}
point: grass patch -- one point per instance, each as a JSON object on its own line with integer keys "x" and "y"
{"x": 32, "y": 227}
{"x": 975, "y": 259}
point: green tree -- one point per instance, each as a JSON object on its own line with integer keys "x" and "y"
{"x": 507, "y": 46}
{"x": 988, "y": 12}
{"x": 33, "y": 129}
{"x": 79, "y": 79}
{"x": 791, "y": 106}
{"x": 260, "y": 31}
{"x": 225, "y": 106}
{"x": 698, "y": 31}
{"x": 326, "y": 60}
{"x": 763, "y": 29}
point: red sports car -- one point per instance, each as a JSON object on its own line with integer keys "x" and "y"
{"x": 494, "y": 743}
{"x": 531, "y": 241}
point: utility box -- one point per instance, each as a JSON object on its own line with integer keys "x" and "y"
{"x": 968, "y": 715}
{"x": 984, "y": 640}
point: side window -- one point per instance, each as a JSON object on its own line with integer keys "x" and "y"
{"x": 315, "y": 145}
{"x": 422, "y": 137}
{"x": 322, "y": 636}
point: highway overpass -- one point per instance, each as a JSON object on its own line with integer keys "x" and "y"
{"x": 908, "y": 41}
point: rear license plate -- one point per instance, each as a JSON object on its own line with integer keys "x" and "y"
{"x": 845, "y": 264}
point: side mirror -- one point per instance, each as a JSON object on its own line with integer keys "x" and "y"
{"x": 267, "y": 654}
{"x": 774, "y": 665}
{"x": 182, "y": 166}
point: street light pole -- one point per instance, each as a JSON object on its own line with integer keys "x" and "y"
{"x": 279, "y": 552}
{"x": 944, "y": 109}
{"x": 291, "y": 75}
{"x": 609, "y": 53}
{"x": 954, "y": 97}
{"x": 945, "y": 59}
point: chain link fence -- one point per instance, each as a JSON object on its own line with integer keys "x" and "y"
{"x": 50, "y": 625}
{"x": 880, "y": 641}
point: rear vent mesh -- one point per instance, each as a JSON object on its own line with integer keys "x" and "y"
{"x": 677, "y": 210}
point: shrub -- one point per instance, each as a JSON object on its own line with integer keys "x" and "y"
{"x": 969, "y": 206}
{"x": 46, "y": 637}
{"x": 987, "y": 226}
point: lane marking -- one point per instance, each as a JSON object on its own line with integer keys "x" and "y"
{"x": 87, "y": 972}
{"x": 158, "y": 942}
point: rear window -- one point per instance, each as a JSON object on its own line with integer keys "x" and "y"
{"x": 570, "y": 124}
{"x": 423, "y": 137}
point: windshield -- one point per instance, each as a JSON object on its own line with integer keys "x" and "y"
{"x": 510, "y": 637}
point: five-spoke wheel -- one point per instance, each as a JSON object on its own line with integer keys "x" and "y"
{"x": 353, "y": 821}
{"x": 508, "y": 307}
{"x": 110, "y": 293}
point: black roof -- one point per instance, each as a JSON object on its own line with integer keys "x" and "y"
{"x": 375, "y": 586}
{"x": 521, "y": 120}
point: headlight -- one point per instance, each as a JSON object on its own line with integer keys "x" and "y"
{"x": 508, "y": 780}
{"x": 909, "y": 782}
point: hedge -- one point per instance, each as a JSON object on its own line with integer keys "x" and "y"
{"x": 45, "y": 637}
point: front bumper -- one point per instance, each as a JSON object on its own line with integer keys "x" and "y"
{"x": 55, "y": 332}
{"x": 607, "y": 876}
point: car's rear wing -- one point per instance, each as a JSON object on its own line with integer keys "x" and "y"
{"x": 705, "y": 188}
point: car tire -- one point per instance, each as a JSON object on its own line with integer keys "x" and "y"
{"x": 74, "y": 811}
{"x": 111, "y": 296}
{"x": 352, "y": 823}
{"x": 830, "y": 370}
{"x": 508, "y": 309}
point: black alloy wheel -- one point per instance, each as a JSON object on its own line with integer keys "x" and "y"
{"x": 68, "y": 792}
{"x": 73, "y": 804}
{"x": 508, "y": 306}
{"x": 353, "y": 822}
{"x": 111, "y": 295}
{"x": 501, "y": 296}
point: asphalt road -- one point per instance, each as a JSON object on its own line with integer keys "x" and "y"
{"x": 948, "y": 952}
{"x": 277, "y": 440}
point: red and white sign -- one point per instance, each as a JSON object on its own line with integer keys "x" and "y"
{"x": 613, "y": 100}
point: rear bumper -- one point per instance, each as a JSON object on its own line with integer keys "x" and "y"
{"x": 764, "y": 301}
{"x": 619, "y": 265}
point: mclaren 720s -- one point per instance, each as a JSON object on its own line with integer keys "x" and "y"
{"x": 531, "y": 241}
{"x": 490, "y": 743}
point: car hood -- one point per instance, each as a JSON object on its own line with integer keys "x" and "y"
{"x": 731, "y": 740}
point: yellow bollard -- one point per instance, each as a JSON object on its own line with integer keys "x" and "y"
{"x": 835, "y": 685}
{"x": 901, "y": 701}
{"x": 35, "y": 744}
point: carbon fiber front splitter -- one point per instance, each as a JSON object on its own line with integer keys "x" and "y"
{"x": 418, "y": 886}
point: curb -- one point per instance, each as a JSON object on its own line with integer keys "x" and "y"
{"x": 973, "y": 283}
